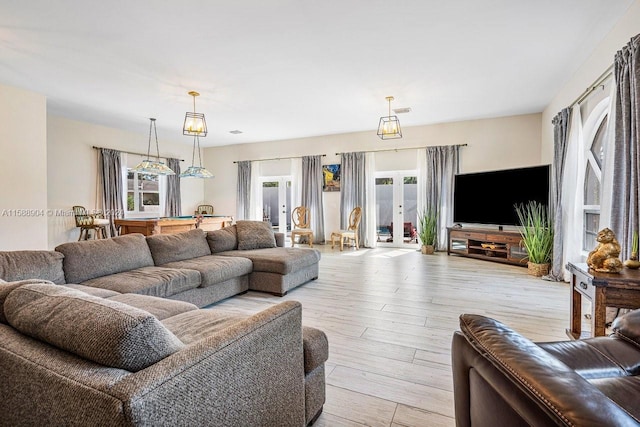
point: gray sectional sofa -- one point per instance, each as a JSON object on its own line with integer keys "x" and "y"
{"x": 195, "y": 266}
{"x": 109, "y": 332}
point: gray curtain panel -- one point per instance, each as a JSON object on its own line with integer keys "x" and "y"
{"x": 173, "y": 201}
{"x": 560, "y": 140}
{"x": 243, "y": 193}
{"x": 353, "y": 190}
{"x": 625, "y": 213}
{"x": 110, "y": 175}
{"x": 312, "y": 194}
{"x": 442, "y": 166}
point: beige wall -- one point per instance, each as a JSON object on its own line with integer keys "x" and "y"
{"x": 500, "y": 143}
{"x": 601, "y": 58}
{"x": 23, "y": 169}
{"x": 73, "y": 169}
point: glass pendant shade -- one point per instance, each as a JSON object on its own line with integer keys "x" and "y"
{"x": 153, "y": 166}
{"x": 194, "y": 123}
{"x": 194, "y": 171}
{"x": 389, "y": 126}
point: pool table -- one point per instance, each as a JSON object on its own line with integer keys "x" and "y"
{"x": 171, "y": 225}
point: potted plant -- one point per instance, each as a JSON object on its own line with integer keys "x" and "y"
{"x": 536, "y": 230}
{"x": 428, "y": 230}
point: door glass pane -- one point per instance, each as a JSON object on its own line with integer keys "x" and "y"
{"x": 288, "y": 205}
{"x": 409, "y": 209}
{"x": 270, "y": 211}
{"x": 591, "y": 187}
{"x": 384, "y": 208}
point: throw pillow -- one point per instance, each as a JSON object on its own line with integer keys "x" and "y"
{"x": 255, "y": 235}
{"x": 7, "y": 287}
{"x": 225, "y": 239}
{"x": 104, "y": 331}
{"x": 31, "y": 264}
{"x": 166, "y": 248}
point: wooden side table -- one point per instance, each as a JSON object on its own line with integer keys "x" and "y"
{"x": 604, "y": 290}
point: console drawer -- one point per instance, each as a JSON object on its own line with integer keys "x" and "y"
{"x": 502, "y": 238}
{"x": 469, "y": 235}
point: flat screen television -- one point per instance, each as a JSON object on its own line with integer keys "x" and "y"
{"x": 489, "y": 197}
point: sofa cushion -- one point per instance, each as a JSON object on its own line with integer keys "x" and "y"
{"x": 196, "y": 325}
{"x": 162, "y": 308}
{"x": 154, "y": 281}
{"x": 224, "y": 239}
{"x": 255, "y": 235}
{"x": 107, "y": 332}
{"x": 7, "y": 287}
{"x": 627, "y": 327}
{"x": 178, "y": 247}
{"x": 96, "y": 292}
{"x": 215, "y": 269}
{"x": 89, "y": 259}
{"x": 22, "y": 265}
{"x": 278, "y": 260}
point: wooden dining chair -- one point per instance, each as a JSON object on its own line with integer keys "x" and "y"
{"x": 90, "y": 222}
{"x": 301, "y": 226}
{"x": 204, "y": 210}
{"x": 351, "y": 233}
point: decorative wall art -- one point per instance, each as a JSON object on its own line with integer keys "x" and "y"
{"x": 331, "y": 175}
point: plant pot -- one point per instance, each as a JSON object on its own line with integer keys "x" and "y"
{"x": 632, "y": 262}
{"x": 428, "y": 249}
{"x": 538, "y": 270}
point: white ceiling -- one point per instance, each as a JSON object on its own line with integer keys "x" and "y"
{"x": 280, "y": 69}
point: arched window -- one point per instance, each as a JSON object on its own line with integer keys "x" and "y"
{"x": 595, "y": 141}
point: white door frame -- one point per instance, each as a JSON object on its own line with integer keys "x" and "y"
{"x": 398, "y": 208}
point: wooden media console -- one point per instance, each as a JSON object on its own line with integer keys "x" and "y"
{"x": 490, "y": 245}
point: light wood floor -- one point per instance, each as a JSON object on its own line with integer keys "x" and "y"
{"x": 390, "y": 314}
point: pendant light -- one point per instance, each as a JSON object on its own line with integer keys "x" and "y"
{"x": 153, "y": 166}
{"x": 389, "y": 126}
{"x": 194, "y": 171}
{"x": 194, "y": 123}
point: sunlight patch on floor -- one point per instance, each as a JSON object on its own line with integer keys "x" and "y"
{"x": 359, "y": 252}
{"x": 394, "y": 253}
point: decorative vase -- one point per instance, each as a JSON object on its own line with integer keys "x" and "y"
{"x": 632, "y": 262}
{"x": 538, "y": 270}
{"x": 428, "y": 249}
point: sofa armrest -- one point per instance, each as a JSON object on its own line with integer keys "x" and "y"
{"x": 251, "y": 373}
{"x": 515, "y": 382}
{"x": 279, "y": 239}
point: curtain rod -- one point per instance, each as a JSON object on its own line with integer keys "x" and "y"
{"x": 408, "y": 148}
{"x": 596, "y": 84}
{"x": 276, "y": 158}
{"x": 129, "y": 152}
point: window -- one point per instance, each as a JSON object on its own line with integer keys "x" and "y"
{"x": 143, "y": 193}
{"x": 593, "y": 185}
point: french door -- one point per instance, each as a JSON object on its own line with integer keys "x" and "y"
{"x": 396, "y": 208}
{"x": 276, "y": 202}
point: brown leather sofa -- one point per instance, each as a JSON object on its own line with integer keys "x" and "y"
{"x": 503, "y": 379}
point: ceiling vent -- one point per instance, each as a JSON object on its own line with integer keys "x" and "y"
{"x": 235, "y": 132}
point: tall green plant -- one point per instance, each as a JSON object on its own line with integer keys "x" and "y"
{"x": 428, "y": 222}
{"x": 536, "y": 231}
